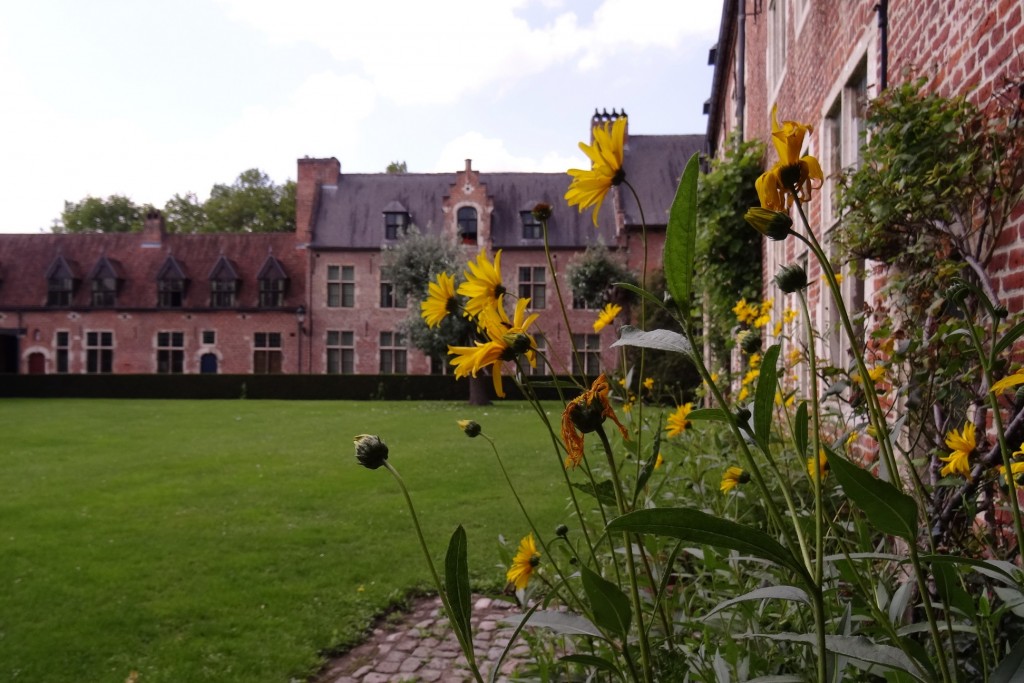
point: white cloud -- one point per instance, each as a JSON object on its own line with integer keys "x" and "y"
{"x": 491, "y": 156}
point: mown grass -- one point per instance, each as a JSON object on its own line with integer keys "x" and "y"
{"x": 237, "y": 540}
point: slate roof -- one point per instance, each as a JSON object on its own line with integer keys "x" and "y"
{"x": 350, "y": 214}
{"x": 25, "y": 260}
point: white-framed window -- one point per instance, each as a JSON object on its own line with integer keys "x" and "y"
{"x": 393, "y": 353}
{"x": 587, "y": 359}
{"x": 341, "y": 286}
{"x": 170, "y": 352}
{"x": 776, "y": 57}
{"x": 388, "y": 297}
{"x": 266, "y": 353}
{"x": 341, "y": 352}
{"x": 532, "y": 229}
{"x": 99, "y": 352}
{"x": 533, "y": 285}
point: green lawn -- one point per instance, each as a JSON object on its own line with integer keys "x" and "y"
{"x": 236, "y": 540}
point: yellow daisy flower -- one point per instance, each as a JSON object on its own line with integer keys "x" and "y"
{"x": 1007, "y": 382}
{"x": 584, "y": 414}
{"x": 440, "y": 300}
{"x": 793, "y": 173}
{"x": 606, "y": 316}
{"x": 526, "y": 560}
{"x": 733, "y": 477}
{"x": 963, "y": 444}
{"x": 507, "y": 340}
{"x": 483, "y": 284}
{"x": 589, "y": 187}
{"x": 649, "y": 383}
{"x": 677, "y": 423}
{"x": 822, "y": 465}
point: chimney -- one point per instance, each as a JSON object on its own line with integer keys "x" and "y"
{"x": 603, "y": 118}
{"x": 153, "y": 229}
{"x": 313, "y": 174}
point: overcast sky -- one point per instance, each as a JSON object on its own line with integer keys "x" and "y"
{"x": 148, "y": 98}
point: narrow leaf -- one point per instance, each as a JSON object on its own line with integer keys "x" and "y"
{"x": 1012, "y": 667}
{"x": 947, "y": 582}
{"x": 641, "y": 292}
{"x": 764, "y": 396}
{"x": 681, "y": 237}
{"x": 854, "y": 647}
{"x": 648, "y": 467}
{"x": 713, "y": 414}
{"x": 609, "y": 604}
{"x": 888, "y": 508}
{"x": 1007, "y": 340}
{"x": 456, "y": 583}
{"x": 593, "y": 662}
{"x": 771, "y": 592}
{"x": 563, "y": 623}
{"x": 800, "y": 429}
{"x": 1000, "y": 570}
{"x": 496, "y": 669}
{"x": 695, "y": 526}
{"x": 663, "y": 340}
{"x": 604, "y": 491}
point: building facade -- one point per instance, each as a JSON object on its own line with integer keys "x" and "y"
{"x": 316, "y": 300}
{"x": 821, "y": 62}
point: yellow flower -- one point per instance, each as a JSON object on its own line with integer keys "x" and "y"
{"x": 754, "y": 361}
{"x": 963, "y": 444}
{"x": 822, "y": 465}
{"x": 778, "y": 328}
{"x": 1007, "y": 382}
{"x": 839, "y": 278}
{"x": 745, "y": 313}
{"x": 586, "y": 413}
{"x": 440, "y": 300}
{"x": 507, "y": 340}
{"x": 677, "y": 423}
{"x": 659, "y": 461}
{"x": 606, "y": 316}
{"x": 526, "y": 560}
{"x": 743, "y": 395}
{"x": 1016, "y": 469}
{"x": 789, "y": 315}
{"x": 875, "y": 374}
{"x": 733, "y": 477}
{"x": 483, "y": 285}
{"x": 588, "y": 188}
{"x": 786, "y": 401}
{"x": 649, "y": 383}
{"x": 793, "y": 174}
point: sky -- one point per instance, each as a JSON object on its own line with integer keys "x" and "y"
{"x": 152, "y": 98}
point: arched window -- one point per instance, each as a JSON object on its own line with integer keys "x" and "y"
{"x": 467, "y": 224}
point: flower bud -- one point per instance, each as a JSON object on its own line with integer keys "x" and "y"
{"x": 743, "y": 416}
{"x": 542, "y": 211}
{"x": 471, "y": 428}
{"x": 1002, "y": 312}
{"x": 791, "y": 278}
{"x": 561, "y": 530}
{"x": 371, "y": 452}
{"x": 751, "y": 343}
{"x": 775, "y": 225}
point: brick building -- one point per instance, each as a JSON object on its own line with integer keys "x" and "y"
{"x": 314, "y": 301}
{"x": 821, "y": 61}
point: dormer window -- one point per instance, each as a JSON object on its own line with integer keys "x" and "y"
{"x": 395, "y": 224}
{"x": 467, "y": 225}
{"x": 104, "y": 280}
{"x": 531, "y": 226}
{"x": 273, "y": 283}
{"x": 170, "y": 284}
{"x": 60, "y": 283}
{"x": 223, "y": 284}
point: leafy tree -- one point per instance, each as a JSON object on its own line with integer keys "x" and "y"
{"x": 116, "y": 213}
{"x": 253, "y": 203}
{"x": 397, "y": 167}
{"x": 185, "y": 214}
{"x": 593, "y": 274}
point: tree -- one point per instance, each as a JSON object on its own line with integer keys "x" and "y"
{"x": 396, "y": 168}
{"x": 185, "y": 214}
{"x": 253, "y": 203}
{"x": 116, "y": 213}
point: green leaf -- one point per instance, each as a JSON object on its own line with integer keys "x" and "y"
{"x": 641, "y": 292}
{"x": 1000, "y": 570}
{"x": 496, "y": 668}
{"x": 1007, "y": 340}
{"x": 604, "y": 492}
{"x": 713, "y": 414}
{"x": 648, "y": 466}
{"x": 681, "y": 236}
{"x": 1012, "y": 667}
{"x": 663, "y": 340}
{"x": 593, "y": 662}
{"x": 609, "y": 604}
{"x": 764, "y": 396}
{"x": 800, "y": 429}
{"x": 888, "y": 508}
{"x": 771, "y": 592}
{"x": 695, "y": 526}
{"x": 948, "y": 584}
{"x": 456, "y": 583}
{"x": 854, "y": 647}
{"x": 563, "y": 623}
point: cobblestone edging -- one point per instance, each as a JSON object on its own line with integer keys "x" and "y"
{"x": 422, "y": 647}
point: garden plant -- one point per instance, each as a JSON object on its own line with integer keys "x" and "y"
{"x": 796, "y": 524}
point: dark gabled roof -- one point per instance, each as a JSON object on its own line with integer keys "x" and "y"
{"x": 60, "y": 268}
{"x": 224, "y": 270}
{"x": 171, "y": 270}
{"x": 272, "y": 270}
{"x": 350, "y": 213}
{"x": 106, "y": 268}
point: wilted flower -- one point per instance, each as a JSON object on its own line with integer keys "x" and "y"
{"x": 371, "y": 452}
{"x": 526, "y": 560}
{"x": 589, "y": 187}
{"x": 584, "y": 414}
{"x": 541, "y": 211}
{"x": 793, "y": 174}
{"x": 470, "y": 427}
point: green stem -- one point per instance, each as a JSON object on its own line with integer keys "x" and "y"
{"x": 645, "y": 654}
{"x": 467, "y": 647}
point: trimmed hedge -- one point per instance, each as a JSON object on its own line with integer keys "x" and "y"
{"x": 305, "y": 387}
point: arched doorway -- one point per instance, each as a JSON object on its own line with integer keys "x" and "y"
{"x": 208, "y": 364}
{"x": 36, "y": 364}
